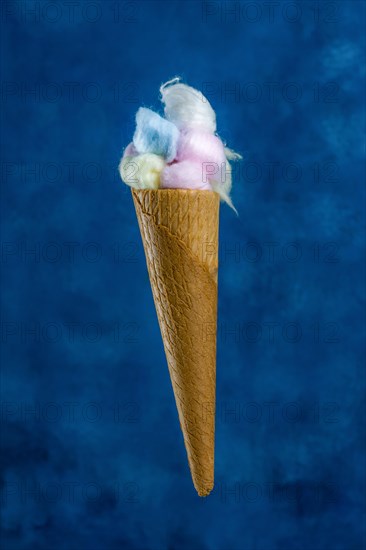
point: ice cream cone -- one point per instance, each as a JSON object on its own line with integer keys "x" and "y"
{"x": 179, "y": 230}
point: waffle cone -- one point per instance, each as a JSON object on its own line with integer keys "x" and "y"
{"x": 179, "y": 230}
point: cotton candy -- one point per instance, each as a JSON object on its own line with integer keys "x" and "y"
{"x": 187, "y": 107}
{"x": 232, "y": 155}
{"x": 180, "y": 151}
{"x": 154, "y": 134}
{"x": 130, "y": 151}
{"x": 186, "y": 174}
{"x": 207, "y": 149}
{"x": 202, "y": 146}
{"x": 222, "y": 184}
{"x": 142, "y": 171}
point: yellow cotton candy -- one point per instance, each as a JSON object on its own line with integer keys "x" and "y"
{"x": 142, "y": 171}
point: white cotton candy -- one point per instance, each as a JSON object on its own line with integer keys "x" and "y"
{"x": 232, "y": 155}
{"x": 222, "y": 184}
{"x": 187, "y": 107}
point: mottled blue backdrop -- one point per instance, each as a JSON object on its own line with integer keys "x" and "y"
{"x": 92, "y": 453}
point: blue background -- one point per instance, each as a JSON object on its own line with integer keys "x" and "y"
{"x": 289, "y": 466}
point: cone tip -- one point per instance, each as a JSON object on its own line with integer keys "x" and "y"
{"x": 205, "y": 491}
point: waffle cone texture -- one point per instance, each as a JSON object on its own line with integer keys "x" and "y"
{"x": 179, "y": 230}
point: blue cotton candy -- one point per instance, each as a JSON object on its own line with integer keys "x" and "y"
{"x": 155, "y": 135}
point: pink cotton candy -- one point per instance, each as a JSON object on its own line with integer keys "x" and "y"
{"x": 186, "y": 174}
{"x": 200, "y": 146}
{"x": 130, "y": 151}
